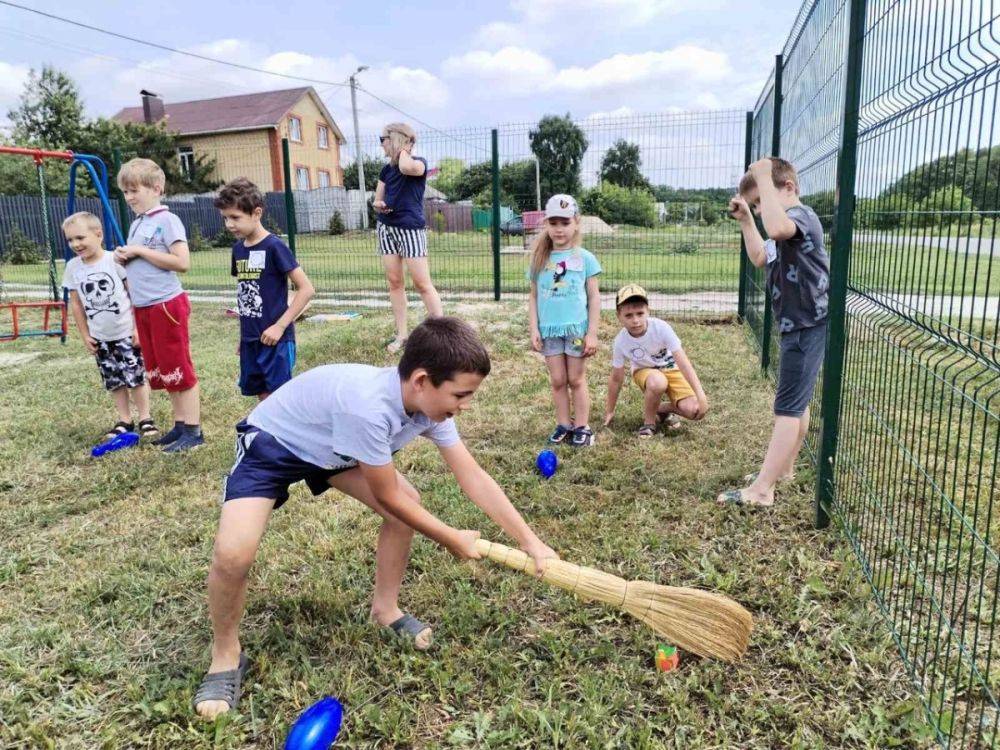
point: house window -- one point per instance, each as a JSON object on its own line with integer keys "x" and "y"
{"x": 186, "y": 155}
{"x": 323, "y": 136}
{"x": 295, "y": 129}
{"x": 302, "y": 178}
{"x": 324, "y": 178}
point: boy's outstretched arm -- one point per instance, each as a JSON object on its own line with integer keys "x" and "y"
{"x": 614, "y": 388}
{"x": 385, "y": 487}
{"x": 687, "y": 370}
{"x": 304, "y": 291}
{"x": 776, "y": 222}
{"x": 483, "y": 490}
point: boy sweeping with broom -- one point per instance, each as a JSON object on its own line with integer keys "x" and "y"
{"x": 338, "y": 426}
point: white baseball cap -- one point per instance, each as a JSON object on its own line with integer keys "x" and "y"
{"x": 561, "y": 205}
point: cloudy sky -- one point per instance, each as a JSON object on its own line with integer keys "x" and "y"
{"x": 448, "y": 63}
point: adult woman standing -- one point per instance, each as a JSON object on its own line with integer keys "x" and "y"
{"x": 401, "y": 227}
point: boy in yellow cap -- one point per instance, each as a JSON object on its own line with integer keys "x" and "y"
{"x": 659, "y": 365}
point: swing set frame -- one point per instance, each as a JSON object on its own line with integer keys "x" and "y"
{"x": 57, "y": 308}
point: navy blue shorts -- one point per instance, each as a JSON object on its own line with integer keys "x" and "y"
{"x": 802, "y": 355}
{"x": 266, "y": 468}
{"x": 263, "y": 368}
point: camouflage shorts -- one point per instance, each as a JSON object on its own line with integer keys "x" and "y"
{"x": 120, "y": 363}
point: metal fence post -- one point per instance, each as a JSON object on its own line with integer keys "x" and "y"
{"x": 116, "y": 163}
{"x": 289, "y": 198}
{"x": 741, "y": 304}
{"x": 495, "y": 223}
{"x": 840, "y": 266}
{"x": 765, "y": 334}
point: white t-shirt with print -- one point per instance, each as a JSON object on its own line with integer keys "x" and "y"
{"x": 336, "y": 415}
{"x": 654, "y": 348}
{"x": 102, "y": 291}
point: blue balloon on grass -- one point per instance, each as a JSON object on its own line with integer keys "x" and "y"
{"x": 117, "y": 443}
{"x": 317, "y": 727}
{"x": 547, "y": 463}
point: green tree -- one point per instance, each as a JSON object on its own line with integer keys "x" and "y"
{"x": 473, "y": 180}
{"x": 619, "y": 205}
{"x": 559, "y": 145}
{"x": 449, "y": 171}
{"x": 517, "y": 183}
{"x": 943, "y": 207}
{"x": 373, "y": 167}
{"x": 622, "y": 165}
{"x": 50, "y": 113}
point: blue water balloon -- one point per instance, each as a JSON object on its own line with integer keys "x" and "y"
{"x": 547, "y": 463}
{"x": 124, "y": 440}
{"x": 317, "y": 727}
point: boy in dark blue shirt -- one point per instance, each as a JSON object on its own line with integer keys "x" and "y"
{"x": 798, "y": 280}
{"x": 263, "y": 265}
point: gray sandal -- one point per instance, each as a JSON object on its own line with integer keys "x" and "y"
{"x": 223, "y": 686}
{"x": 410, "y": 627}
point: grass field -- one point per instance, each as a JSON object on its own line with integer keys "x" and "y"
{"x": 103, "y": 623}
{"x": 667, "y": 260}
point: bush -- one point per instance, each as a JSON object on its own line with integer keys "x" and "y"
{"x": 225, "y": 238}
{"x": 686, "y": 248}
{"x": 336, "y": 225}
{"x": 619, "y": 205}
{"x": 440, "y": 222}
{"x": 196, "y": 240}
{"x": 20, "y": 250}
{"x": 271, "y": 226}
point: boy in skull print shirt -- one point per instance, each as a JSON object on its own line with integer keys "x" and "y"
{"x": 263, "y": 265}
{"x": 103, "y": 313}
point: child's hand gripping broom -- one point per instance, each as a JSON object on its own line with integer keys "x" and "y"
{"x": 701, "y": 622}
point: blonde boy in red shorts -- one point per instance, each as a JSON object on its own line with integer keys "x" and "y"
{"x": 156, "y": 251}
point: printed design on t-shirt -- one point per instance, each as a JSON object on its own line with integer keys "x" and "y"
{"x": 561, "y": 284}
{"x": 249, "y": 303}
{"x": 822, "y": 307}
{"x": 251, "y": 267}
{"x": 792, "y": 274}
{"x": 156, "y": 238}
{"x": 661, "y": 358}
{"x": 98, "y": 290}
{"x": 822, "y": 283}
{"x": 785, "y": 325}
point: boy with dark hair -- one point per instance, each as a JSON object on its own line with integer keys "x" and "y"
{"x": 798, "y": 279}
{"x": 263, "y": 265}
{"x": 339, "y": 426}
{"x": 660, "y": 367}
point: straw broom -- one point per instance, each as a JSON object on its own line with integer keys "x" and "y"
{"x": 701, "y": 622}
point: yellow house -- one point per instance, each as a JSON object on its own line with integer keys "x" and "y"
{"x": 243, "y": 135}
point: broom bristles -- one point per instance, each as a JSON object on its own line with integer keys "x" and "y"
{"x": 701, "y": 622}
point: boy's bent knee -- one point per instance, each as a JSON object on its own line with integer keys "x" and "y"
{"x": 231, "y": 561}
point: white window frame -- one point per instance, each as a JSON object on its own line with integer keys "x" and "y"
{"x": 323, "y": 136}
{"x": 295, "y": 129}
{"x": 299, "y": 173}
{"x": 321, "y": 175}
{"x": 186, "y": 156}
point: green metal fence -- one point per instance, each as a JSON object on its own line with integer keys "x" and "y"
{"x": 889, "y": 110}
{"x": 668, "y": 232}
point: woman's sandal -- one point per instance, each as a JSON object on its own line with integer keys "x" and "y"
{"x": 223, "y": 686}
{"x": 120, "y": 428}
{"x": 409, "y": 627}
{"x": 148, "y": 428}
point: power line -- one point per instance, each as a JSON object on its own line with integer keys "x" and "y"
{"x": 417, "y": 119}
{"x": 164, "y": 47}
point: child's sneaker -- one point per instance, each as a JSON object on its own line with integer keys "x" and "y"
{"x": 583, "y": 437}
{"x": 185, "y": 442}
{"x": 647, "y": 431}
{"x": 559, "y": 434}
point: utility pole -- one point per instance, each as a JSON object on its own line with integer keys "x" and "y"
{"x": 538, "y": 186}
{"x": 357, "y": 148}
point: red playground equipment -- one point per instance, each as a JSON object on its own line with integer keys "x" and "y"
{"x": 53, "y": 313}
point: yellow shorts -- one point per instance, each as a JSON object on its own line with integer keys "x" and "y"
{"x": 677, "y": 386}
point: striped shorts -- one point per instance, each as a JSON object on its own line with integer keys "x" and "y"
{"x": 406, "y": 243}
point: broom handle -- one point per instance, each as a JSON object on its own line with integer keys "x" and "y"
{"x": 501, "y": 553}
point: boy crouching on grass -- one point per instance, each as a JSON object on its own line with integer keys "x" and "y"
{"x": 263, "y": 265}
{"x": 101, "y": 307}
{"x": 339, "y": 426}
{"x": 659, "y": 366}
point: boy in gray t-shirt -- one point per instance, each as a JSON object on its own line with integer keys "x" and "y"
{"x": 339, "y": 426}
{"x": 99, "y": 301}
{"x": 155, "y": 252}
{"x": 798, "y": 280}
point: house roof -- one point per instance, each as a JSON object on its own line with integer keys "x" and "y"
{"x": 265, "y": 109}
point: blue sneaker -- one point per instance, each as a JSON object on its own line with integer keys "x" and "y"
{"x": 560, "y": 434}
{"x": 583, "y": 437}
{"x": 185, "y": 442}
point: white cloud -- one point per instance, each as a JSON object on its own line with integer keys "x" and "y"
{"x": 498, "y": 34}
{"x": 611, "y": 115}
{"x": 12, "y": 79}
{"x": 515, "y": 70}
